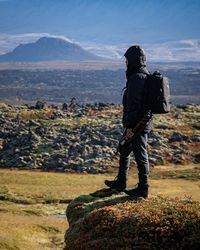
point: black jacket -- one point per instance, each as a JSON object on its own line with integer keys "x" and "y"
{"x": 134, "y": 99}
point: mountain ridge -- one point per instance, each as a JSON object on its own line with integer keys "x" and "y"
{"x": 48, "y": 49}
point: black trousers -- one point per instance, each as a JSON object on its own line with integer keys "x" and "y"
{"x": 139, "y": 149}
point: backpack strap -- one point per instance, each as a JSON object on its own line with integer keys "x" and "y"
{"x": 124, "y": 88}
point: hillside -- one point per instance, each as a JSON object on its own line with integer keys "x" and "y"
{"x": 48, "y": 49}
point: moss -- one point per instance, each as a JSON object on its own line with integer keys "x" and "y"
{"x": 123, "y": 223}
{"x": 8, "y": 245}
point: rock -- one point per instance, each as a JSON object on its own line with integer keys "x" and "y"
{"x": 178, "y": 159}
{"x": 195, "y": 138}
{"x": 65, "y": 141}
{"x": 155, "y": 159}
{"x": 40, "y": 105}
{"x": 75, "y": 150}
{"x": 32, "y": 165}
{"x": 162, "y": 126}
{"x": 174, "y": 147}
{"x": 46, "y": 154}
{"x": 178, "y": 137}
{"x": 57, "y": 145}
{"x": 33, "y": 123}
{"x": 196, "y": 158}
{"x": 87, "y": 151}
{"x": 156, "y": 140}
{"x": 97, "y": 151}
{"x": 41, "y": 130}
{"x": 32, "y": 136}
{"x": 64, "y": 106}
{"x": 84, "y": 147}
{"x": 109, "y": 220}
{"x": 57, "y": 114}
{"x": 53, "y": 106}
{"x": 3, "y": 105}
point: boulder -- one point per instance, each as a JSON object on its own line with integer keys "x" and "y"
{"x": 64, "y": 106}
{"x": 195, "y": 138}
{"x": 40, "y": 105}
{"x": 178, "y": 158}
{"x": 109, "y": 220}
{"x": 196, "y": 158}
{"x": 176, "y": 136}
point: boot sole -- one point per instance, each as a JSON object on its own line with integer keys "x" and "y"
{"x": 115, "y": 188}
{"x": 136, "y": 196}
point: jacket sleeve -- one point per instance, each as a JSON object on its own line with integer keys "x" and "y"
{"x": 134, "y": 100}
{"x": 124, "y": 107}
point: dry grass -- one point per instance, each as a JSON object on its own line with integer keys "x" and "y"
{"x": 43, "y": 187}
{"x": 31, "y": 232}
{"x": 38, "y": 187}
{"x": 27, "y": 226}
{"x": 28, "y": 197}
{"x": 36, "y": 114}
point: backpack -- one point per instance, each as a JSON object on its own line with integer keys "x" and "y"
{"x": 157, "y": 93}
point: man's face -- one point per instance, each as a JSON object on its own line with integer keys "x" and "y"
{"x": 126, "y": 61}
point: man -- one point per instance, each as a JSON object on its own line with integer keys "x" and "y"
{"x": 133, "y": 111}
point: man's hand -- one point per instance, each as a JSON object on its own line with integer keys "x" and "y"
{"x": 129, "y": 133}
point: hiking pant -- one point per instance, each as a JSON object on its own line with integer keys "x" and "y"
{"x": 139, "y": 148}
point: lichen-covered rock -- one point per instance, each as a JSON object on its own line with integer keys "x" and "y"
{"x": 106, "y": 220}
{"x": 40, "y": 105}
{"x": 84, "y": 138}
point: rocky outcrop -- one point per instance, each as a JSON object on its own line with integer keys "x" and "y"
{"x": 84, "y": 138}
{"x": 106, "y": 220}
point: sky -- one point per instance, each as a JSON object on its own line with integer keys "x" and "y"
{"x": 102, "y": 24}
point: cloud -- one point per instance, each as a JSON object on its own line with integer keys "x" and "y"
{"x": 107, "y": 51}
{"x": 183, "y": 50}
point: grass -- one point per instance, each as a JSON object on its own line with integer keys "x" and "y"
{"x": 43, "y": 187}
{"x": 188, "y": 173}
{"x": 36, "y": 114}
{"x": 31, "y": 232}
{"x": 29, "y": 197}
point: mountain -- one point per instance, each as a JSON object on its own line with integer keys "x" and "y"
{"x": 48, "y": 49}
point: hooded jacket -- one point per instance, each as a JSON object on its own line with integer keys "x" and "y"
{"x": 134, "y": 95}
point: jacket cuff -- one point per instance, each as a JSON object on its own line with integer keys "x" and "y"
{"x": 128, "y": 125}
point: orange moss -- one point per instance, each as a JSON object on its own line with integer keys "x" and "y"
{"x": 156, "y": 223}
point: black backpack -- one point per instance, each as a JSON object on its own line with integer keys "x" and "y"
{"x": 157, "y": 93}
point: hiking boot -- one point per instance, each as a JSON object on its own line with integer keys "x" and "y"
{"x": 116, "y": 184}
{"x": 140, "y": 191}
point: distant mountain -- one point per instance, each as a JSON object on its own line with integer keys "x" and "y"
{"x": 48, "y": 49}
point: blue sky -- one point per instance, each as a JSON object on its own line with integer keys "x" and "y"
{"x": 103, "y": 21}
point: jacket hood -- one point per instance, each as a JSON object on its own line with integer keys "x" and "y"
{"x": 136, "y": 57}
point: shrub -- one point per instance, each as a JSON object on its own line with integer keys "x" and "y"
{"x": 155, "y": 223}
